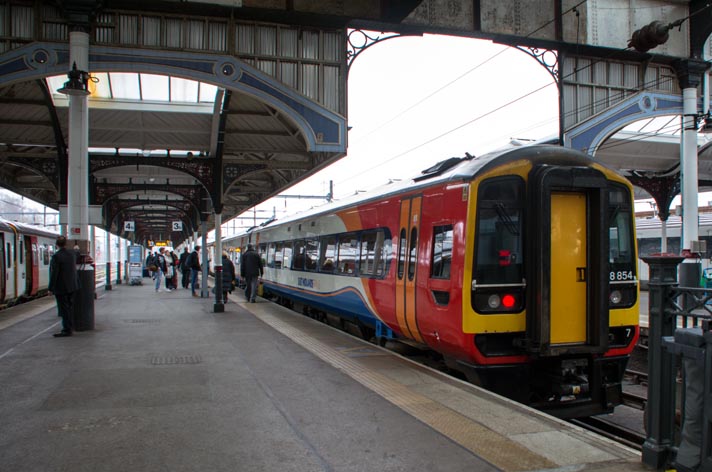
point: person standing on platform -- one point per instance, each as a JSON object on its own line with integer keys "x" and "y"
{"x": 228, "y": 278}
{"x": 250, "y": 270}
{"x": 162, "y": 269}
{"x": 184, "y": 269}
{"x": 63, "y": 282}
{"x": 194, "y": 264}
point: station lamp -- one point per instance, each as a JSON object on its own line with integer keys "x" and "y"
{"x": 78, "y": 83}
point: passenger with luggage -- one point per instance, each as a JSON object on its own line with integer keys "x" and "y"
{"x": 251, "y": 269}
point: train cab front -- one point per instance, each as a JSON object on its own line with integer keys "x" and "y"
{"x": 554, "y": 295}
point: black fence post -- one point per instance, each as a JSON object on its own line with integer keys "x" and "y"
{"x": 660, "y": 410}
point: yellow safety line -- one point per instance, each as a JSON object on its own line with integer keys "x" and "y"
{"x": 480, "y": 440}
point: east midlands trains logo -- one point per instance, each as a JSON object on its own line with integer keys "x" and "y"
{"x": 306, "y": 283}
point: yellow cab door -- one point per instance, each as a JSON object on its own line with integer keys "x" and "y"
{"x": 569, "y": 248}
{"x": 409, "y": 229}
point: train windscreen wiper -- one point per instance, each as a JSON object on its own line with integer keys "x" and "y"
{"x": 505, "y": 219}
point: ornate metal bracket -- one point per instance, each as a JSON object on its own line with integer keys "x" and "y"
{"x": 663, "y": 189}
{"x": 546, "y": 57}
{"x": 358, "y": 41}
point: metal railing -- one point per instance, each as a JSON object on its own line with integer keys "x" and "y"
{"x": 679, "y": 333}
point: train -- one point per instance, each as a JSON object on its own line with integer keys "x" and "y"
{"x": 517, "y": 269}
{"x": 25, "y": 255}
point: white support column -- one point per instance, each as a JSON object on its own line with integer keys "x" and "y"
{"x": 219, "y": 307}
{"x": 108, "y": 261}
{"x": 204, "y": 289}
{"x": 663, "y": 236}
{"x": 690, "y": 223}
{"x": 78, "y": 145}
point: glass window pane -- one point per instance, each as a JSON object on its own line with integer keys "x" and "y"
{"x": 154, "y": 87}
{"x": 312, "y": 251}
{"x": 442, "y": 252}
{"x": 125, "y": 85}
{"x": 208, "y": 92}
{"x": 412, "y": 253}
{"x": 183, "y": 90}
{"x": 328, "y": 254}
{"x": 620, "y": 230}
{"x": 299, "y": 255}
{"x": 348, "y": 254}
{"x": 499, "y": 235}
{"x": 401, "y": 253}
{"x": 99, "y": 86}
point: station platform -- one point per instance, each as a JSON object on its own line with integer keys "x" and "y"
{"x": 165, "y": 384}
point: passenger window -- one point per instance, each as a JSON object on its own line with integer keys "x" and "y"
{"x": 372, "y": 260}
{"x": 401, "y": 253}
{"x": 312, "y": 254}
{"x": 298, "y": 262}
{"x": 499, "y": 233}
{"x": 263, "y": 253}
{"x": 287, "y": 256}
{"x": 348, "y": 254}
{"x": 412, "y": 253}
{"x": 278, "y": 255}
{"x": 328, "y": 254}
{"x": 22, "y": 252}
{"x": 8, "y": 256}
{"x": 442, "y": 252}
{"x": 271, "y": 255}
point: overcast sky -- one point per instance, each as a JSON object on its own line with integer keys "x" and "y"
{"x": 414, "y": 101}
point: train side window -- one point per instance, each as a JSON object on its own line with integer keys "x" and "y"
{"x": 263, "y": 253}
{"x": 620, "y": 231}
{"x": 8, "y": 256}
{"x": 401, "y": 253}
{"x": 442, "y": 252}
{"x": 348, "y": 254}
{"x": 270, "y": 255}
{"x": 412, "y": 253}
{"x": 499, "y": 233}
{"x": 312, "y": 254}
{"x": 327, "y": 254}
{"x": 299, "y": 259}
{"x": 287, "y": 255}
{"x": 22, "y": 252}
{"x": 373, "y": 253}
{"x": 278, "y": 255}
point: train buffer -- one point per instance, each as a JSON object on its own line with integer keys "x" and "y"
{"x": 164, "y": 383}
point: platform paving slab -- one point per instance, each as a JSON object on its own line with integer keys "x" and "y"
{"x": 165, "y": 384}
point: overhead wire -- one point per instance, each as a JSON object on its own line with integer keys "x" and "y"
{"x": 571, "y": 9}
{"x": 461, "y": 76}
{"x": 577, "y": 70}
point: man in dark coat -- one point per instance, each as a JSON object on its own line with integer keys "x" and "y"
{"x": 184, "y": 269}
{"x": 228, "y": 275}
{"x": 250, "y": 270}
{"x": 63, "y": 282}
{"x": 194, "y": 264}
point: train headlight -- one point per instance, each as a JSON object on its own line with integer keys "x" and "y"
{"x": 616, "y": 297}
{"x": 494, "y": 301}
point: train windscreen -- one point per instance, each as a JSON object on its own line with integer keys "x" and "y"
{"x": 500, "y": 234}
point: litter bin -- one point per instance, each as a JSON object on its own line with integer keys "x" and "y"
{"x": 83, "y": 306}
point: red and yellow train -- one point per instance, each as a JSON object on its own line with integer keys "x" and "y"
{"x": 518, "y": 268}
{"x": 25, "y": 255}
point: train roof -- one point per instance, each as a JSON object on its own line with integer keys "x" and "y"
{"x": 8, "y": 225}
{"x": 454, "y": 169}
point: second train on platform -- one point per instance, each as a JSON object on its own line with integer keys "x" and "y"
{"x": 518, "y": 268}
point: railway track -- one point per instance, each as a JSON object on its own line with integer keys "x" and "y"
{"x": 611, "y": 430}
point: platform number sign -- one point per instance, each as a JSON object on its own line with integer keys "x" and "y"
{"x": 129, "y": 226}
{"x": 177, "y": 226}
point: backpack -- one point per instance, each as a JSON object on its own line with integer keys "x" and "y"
{"x": 151, "y": 264}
